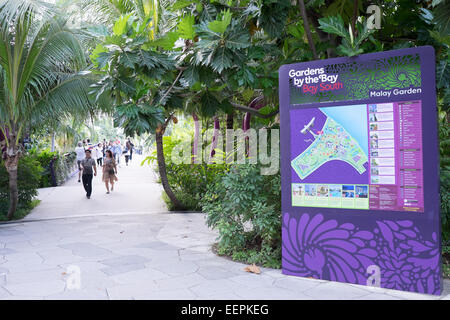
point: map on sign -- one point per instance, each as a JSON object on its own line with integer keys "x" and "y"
{"x": 330, "y": 143}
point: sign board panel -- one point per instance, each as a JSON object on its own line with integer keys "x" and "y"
{"x": 360, "y": 170}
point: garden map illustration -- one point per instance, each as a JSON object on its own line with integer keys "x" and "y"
{"x": 332, "y": 142}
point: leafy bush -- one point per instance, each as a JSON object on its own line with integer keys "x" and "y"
{"x": 245, "y": 208}
{"x": 44, "y": 157}
{"x": 444, "y": 136}
{"x": 62, "y": 166}
{"x": 29, "y": 175}
{"x": 189, "y": 182}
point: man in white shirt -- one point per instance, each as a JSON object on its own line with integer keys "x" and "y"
{"x": 79, "y": 150}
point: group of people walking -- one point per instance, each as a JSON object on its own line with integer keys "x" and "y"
{"x": 104, "y": 155}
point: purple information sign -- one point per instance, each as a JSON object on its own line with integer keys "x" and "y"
{"x": 360, "y": 170}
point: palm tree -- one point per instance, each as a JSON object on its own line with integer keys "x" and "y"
{"x": 41, "y": 75}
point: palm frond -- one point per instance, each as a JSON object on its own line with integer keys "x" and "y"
{"x": 23, "y": 10}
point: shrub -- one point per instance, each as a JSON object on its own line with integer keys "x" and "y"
{"x": 188, "y": 181}
{"x": 245, "y": 208}
{"x": 29, "y": 175}
{"x": 62, "y": 166}
{"x": 44, "y": 157}
{"x": 444, "y": 137}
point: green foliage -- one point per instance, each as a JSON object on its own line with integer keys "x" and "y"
{"x": 63, "y": 166}
{"x": 442, "y": 17}
{"x": 120, "y": 27}
{"x": 351, "y": 46}
{"x": 44, "y": 157}
{"x": 446, "y": 261}
{"x": 188, "y": 181}
{"x": 28, "y": 176}
{"x": 444, "y": 137}
{"x": 186, "y": 27}
{"x": 245, "y": 208}
{"x": 138, "y": 119}
{"x": 221, "y": 24}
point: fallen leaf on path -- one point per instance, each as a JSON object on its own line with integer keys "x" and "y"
{"x": 253, "y": 269}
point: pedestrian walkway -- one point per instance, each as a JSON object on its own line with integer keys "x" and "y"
{"x": 135, "y": 192}
{"x": 124, "y": 246}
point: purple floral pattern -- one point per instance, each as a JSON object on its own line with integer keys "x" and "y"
{"x": 326, "y": 249}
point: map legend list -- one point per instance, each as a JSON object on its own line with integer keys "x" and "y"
{"x": 410, "y": 186}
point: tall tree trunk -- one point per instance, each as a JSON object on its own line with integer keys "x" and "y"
{"x": 195, "y": 156}
{"x": 312, "y": 46}
{"x": 355, "y": 17}
{"x": 11, "y": 164}
{"x": 245, "y": 127}
{"x": 230, "y": 120}
{"x": 215, "y": 136}
{"x": 257, "y": 104}
{"x": 162, "y": 169}
{"x": 53, "y": 141}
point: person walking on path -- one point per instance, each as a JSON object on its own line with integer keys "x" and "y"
{"x": 99, "y": 154}
{"x": 130, "y": 146}
{"x": 126, "y": 153}
{"x": 79, "y": 150}
{"x": 109, "y": 171}
{"x": 89, "y": 145}
{"x": 89, "y": 171}
{"x": 117, "y": 152}
{"x": 93, "y": 149}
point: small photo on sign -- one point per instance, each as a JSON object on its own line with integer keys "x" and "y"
{"x": 322, "y": 191}
{"x": 361, "y": 191}
{"x": 348, "y": 191}
{"x": 310, "y": 190}
{"x": 335, "y": 191}
{"x": 297, "y": 190}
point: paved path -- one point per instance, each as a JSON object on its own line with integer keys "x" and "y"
{"x": 135, "y": 192}
{"x": 125, "y": 247}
